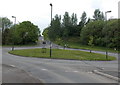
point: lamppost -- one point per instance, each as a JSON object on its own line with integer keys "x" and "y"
{"x": 14, "y": 30}
{"x": 51, "y": 26}
{"x": 106, "y": 33}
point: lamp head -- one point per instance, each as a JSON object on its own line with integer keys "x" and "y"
{"x": 13, "y": 17}
{"x": 108, "y": 11}
{"x": 50, "y": 4}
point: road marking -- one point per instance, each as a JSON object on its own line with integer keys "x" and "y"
{"x": 44, "y": 69}
{"x": 12, "y": 66}
{"x": 90, "y": 72}
{"x": 102, "y": 68}
{"x": 75, "y": 71}
{"x": 72, "y": 71}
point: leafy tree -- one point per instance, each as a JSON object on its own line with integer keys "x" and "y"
{"x": 54, "y": 31}
{"x": 66, "y": 24}
{"x": 92, "y": 29}
{"x": 90, "y": 42}
{"x": 89, "y": 20}
{"x": 5, "y": 24}
{"x": 69, "y": 25}
{"x": 98, "y": 15}
{"x": 111, "y": 33}
{"x": 83, "y": 19}
{"x": 74, "y": 19}
{"x": 82, "y": 23}
{"x": 75, "y": 31}
{"x": 45, "y": 33}
{"x": 25, "y": 33}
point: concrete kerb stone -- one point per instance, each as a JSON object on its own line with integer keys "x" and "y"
{"x": 106, "y": 75}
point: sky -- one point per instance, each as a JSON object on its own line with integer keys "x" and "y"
{"x": 39, "y": 11}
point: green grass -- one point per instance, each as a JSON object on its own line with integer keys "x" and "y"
{"x": 62, "y": 54}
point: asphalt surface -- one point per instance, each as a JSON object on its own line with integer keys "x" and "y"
{"x": 56, "y": 71}
{"x": 26, "y": 69}
{"x": 13, "y": 74}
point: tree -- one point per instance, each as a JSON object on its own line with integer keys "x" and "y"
{"x": 25, "y": 33}
{"x": 45, "y": 33}
{"x": 74, "y": 19}
{"x": 92, "y": 29}
{"x": 69, "y": 25}
{"x": 111, "y": 33}
{"x": 54, "y": 31}
{"x": 98, "y": 15}
{"x": 90, "y": 42}
{"x": 83, "y": 19}
{"x": 66, "y": 25}
{"x": 5, "y": 24}
{"x": 74, "y": 31}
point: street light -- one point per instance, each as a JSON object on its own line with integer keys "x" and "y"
{"x": 106, "y": 32}
{"x": 14, "y": 29}
{"x": 51, "y": 26}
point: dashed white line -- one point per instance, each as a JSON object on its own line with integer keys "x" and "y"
{"x": 12, "y": 66}
{"x": 75, "y": 71}
{"x": 44, "y": 69}
{"x": 72, "y": 71}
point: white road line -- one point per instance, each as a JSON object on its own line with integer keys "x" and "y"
{"x": 12, "y": 66}
{"x": 44, "y": 69}
{"x": 75, "y": 71}
{"x": 90, "y": 72}
{"x": 72, "y": 71}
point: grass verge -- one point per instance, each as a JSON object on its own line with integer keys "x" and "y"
{"x": 62, "y": 54}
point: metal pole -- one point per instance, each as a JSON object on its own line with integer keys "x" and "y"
{"x": 51, "y": 26}
{"x": 106, "y": 34}
{"x": 14, "y": 30}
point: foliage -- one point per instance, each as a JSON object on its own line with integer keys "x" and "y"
{"x": 105, "y": 33}
{"x": 55, "y": 30}
{"x": 83, "y": 19}
{"x": 45, "y": 33}
{"x": 98, "y": 15}
{"x": 92, "y": 29}
{"x": 111, "y": 33}
{"x": 5, "y": 25}
{"x": 25, "y": 33}
{"x": 90, "y": 42}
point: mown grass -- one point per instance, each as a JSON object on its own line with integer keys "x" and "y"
{"x": 62, "y": 54}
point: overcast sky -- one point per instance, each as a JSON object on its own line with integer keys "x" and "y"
{"x": 38, "y": 11}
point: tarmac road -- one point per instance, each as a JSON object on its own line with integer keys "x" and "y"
{"x": 54, "y": 71}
